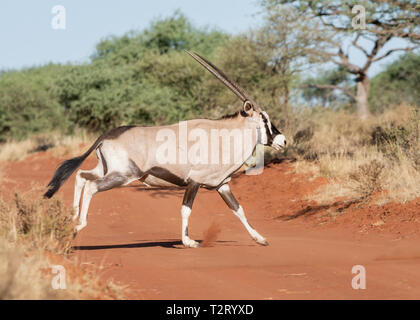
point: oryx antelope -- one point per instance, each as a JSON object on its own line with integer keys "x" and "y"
{"x": 130, "y": 153}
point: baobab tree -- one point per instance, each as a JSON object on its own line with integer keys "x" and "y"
{"x": 367, "y": 26}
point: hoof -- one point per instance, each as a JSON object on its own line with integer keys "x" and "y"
{"x": 79, "y": 227}
{"x": 191, "y": 244}
{"x": 262, "y": 242}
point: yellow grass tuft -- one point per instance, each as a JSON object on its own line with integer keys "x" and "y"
{"x": 35, "y": 234}
{"x": 26, "y": 273}
{"x": 361, "y": 157}
{"x": 21, "y": 276}
{"x": 42, "y": 223}
{"x": 59, "y": 144}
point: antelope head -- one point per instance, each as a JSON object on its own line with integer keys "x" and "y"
{"x": 269, "y": 135}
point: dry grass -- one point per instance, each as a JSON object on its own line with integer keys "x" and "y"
{"x": 361, "y": 158}
{"x": 36, "y": 233}
{"x": 26, "y": 273}
{"x": 60, "y": 145}
{"x": 21, "y": 275}
{"x": 43, "y": 223}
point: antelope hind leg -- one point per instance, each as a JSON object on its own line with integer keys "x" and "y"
{"x": 110, "y": 181}
{"x": 82, "y": 177}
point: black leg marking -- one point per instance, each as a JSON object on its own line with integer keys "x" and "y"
{"x": 103, "y": 162}
{"x": 190, "y": 194}
{"x": 89, "y": 176}
{"x": 134, "y": 169}
{"x": 166, "y": 175}
{"x": 229, "y": 198}
{"x": 112, "y": 180}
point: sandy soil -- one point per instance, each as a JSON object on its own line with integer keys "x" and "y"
{"x": 134, "y": 235}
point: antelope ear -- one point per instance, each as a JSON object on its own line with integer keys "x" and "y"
{"x": 248, "y": 108}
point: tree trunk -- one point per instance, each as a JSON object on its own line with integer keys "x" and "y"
{"x": 362, "y": 96}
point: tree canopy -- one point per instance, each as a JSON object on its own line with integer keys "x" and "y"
{"x": 144, "y": 77}
{"x": 376, "y": 22}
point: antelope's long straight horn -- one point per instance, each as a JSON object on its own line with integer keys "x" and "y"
{"x": 219, "y": 74}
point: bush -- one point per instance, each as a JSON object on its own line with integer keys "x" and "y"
{"x": 30, "y": 225}
{"x": 397, "y": 84}
{"x": 400, "y": 140}
{"x": 44, "y": 223}
{"x": 368, "y": 178}
{"x": 27, "y": 105}
{"x": 140, "y": 78}
{"x": 362, "y": 157}
{"x": 21, "y": 276}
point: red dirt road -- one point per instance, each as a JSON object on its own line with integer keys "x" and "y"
{"x": 134, "y": 234}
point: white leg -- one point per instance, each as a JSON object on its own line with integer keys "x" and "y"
{"x": 253, "y": 233}
{"x": 185, "y": 212}
{"x": 236, "y": 208}
{"x": 81, "y": 177}
{"x": 78, "y": 186}
{"x": 90, "y": 190}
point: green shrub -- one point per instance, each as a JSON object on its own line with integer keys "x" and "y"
{"x": 27, "y": 105}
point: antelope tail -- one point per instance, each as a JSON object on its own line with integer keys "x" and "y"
{"x": 66, "y": 169}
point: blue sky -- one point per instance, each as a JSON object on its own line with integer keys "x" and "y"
{"x": 27, "y": 38}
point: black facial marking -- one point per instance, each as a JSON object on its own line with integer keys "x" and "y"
{"x": 267, "y": 130}
{"x": 244, "y": 114}
{"x": 274, "y": 131}
{"x": 166, "y": 175}
{"x": 230, "y": 199}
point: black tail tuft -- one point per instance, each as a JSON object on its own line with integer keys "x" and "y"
{"x": 63, "y": 172}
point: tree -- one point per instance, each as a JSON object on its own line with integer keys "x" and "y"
{"x": 27, "y": 105}
{"x": 397, "y": 84}
{"x": 267, "y": 61}
{"x": 313, "y": 88}
{"x": 291, "y": 40}
{"x": 384, "y": 21}
{"x": 142, "y": 77}
{"x": 173, "y": 33}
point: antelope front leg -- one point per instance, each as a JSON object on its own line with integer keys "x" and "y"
{"x": 187, "y": 203}
{"x": 236, "y": 208}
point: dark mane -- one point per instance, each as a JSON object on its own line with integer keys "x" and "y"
{"x": 234, "y": 115}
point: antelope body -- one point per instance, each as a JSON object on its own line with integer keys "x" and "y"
{"x": 191, "y": 154}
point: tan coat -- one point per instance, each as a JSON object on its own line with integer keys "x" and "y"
{"x": 191, "y": 150}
